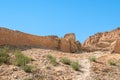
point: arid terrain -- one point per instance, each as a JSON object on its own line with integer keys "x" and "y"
{"x": 29, "y": 57}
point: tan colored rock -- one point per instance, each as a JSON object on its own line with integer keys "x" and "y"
{"x": 103, "y": 41}
{"x": 79, "y": 46}
{"x": 69, "y": 43}
{"x": 116, "y": 46}
{"x": 65, "y": 45}
{"x": 20, "y": 39}
{"x": 103, "y": 44}
{"x": 73, "y": 46}
{"x": 70, "y": 36}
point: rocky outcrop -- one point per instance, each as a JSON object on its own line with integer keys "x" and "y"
{"x": 20, "y": 39}
{"x": 69, "y": 43}
{"x": 115, "y": 46}
{"x": 104, "y": 41}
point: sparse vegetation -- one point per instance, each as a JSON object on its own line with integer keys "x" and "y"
{"x": 52, "y": 59}
{"x": 112, "y": 62}
{"x": 65, "y": 60}
{"x": 28, "y": 79}
{"x": 4, "y": 57}
{"x": 18, "y": 60}
{"x": 28, "y": 68}
{"x": 21, "y": 59}
{"x": 93, "y": 59}
{"x": 75, "y": 65}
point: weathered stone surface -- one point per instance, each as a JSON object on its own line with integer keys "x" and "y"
{"x": 16, "y": 38}
{"x": 65, "y": 45}
{"x": 69, "y": 43}
{"x": 20, "y": 39}
{"x": 70, "y": 36}
{"x": 116, "y": 46}
{"x": 73, "y": 47}
{"x": 103, "y": 44}
{"x": 104, "y": 41}
{"x": 79, "y": 46}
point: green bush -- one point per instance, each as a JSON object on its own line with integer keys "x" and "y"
{"x": 65, "y": 60}
{"x": 52, "y": 59}
{"x": 28, "y": 79}
{"x": 5, "y": 49}
{"x": 28, "y": 68}
{"x": 4, "y": 56}
{"x": 112, "y": 62}
{"x": 93, "y": 59}
{"x": 75, "y": 65}
{"x": 21, "y": 59}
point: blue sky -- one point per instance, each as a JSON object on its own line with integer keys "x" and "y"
{"x": 58, "y": 17}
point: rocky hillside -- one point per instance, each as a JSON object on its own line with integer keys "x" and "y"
{"x": 45, "y": 63}
{"x": 49, "y": 64}
{"x": 105, "y": 41}
{"x": 20, "y": 39}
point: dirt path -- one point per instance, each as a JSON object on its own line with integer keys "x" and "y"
{"x": 84, "y": 61}
{"x": 84, "y": 73}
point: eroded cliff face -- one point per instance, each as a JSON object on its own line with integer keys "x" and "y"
{"x": 69, "y": 43}
{"x": 20, "y": 39}
{"x": 104, "y": 41}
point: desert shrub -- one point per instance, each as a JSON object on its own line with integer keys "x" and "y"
{"x": 18, "y": 60}
{"x": 65, "y": 60}
{"x": 5, "y": 49}
{"x": 112, "y": 62}
{"x": 28, "y": 68}
{"x": 4, "y": 56}
{"x": 28, "y": 78}
{"x": 75, "y": 65}
{"x": 21, "y": 59}
{"x": 52, "y": 59}
{"x": 93, "y": 59}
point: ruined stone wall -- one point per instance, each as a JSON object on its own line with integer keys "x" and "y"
{"x": 19, "y": 39}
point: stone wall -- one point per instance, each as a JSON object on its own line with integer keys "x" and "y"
{"x": 20, "y": 39}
